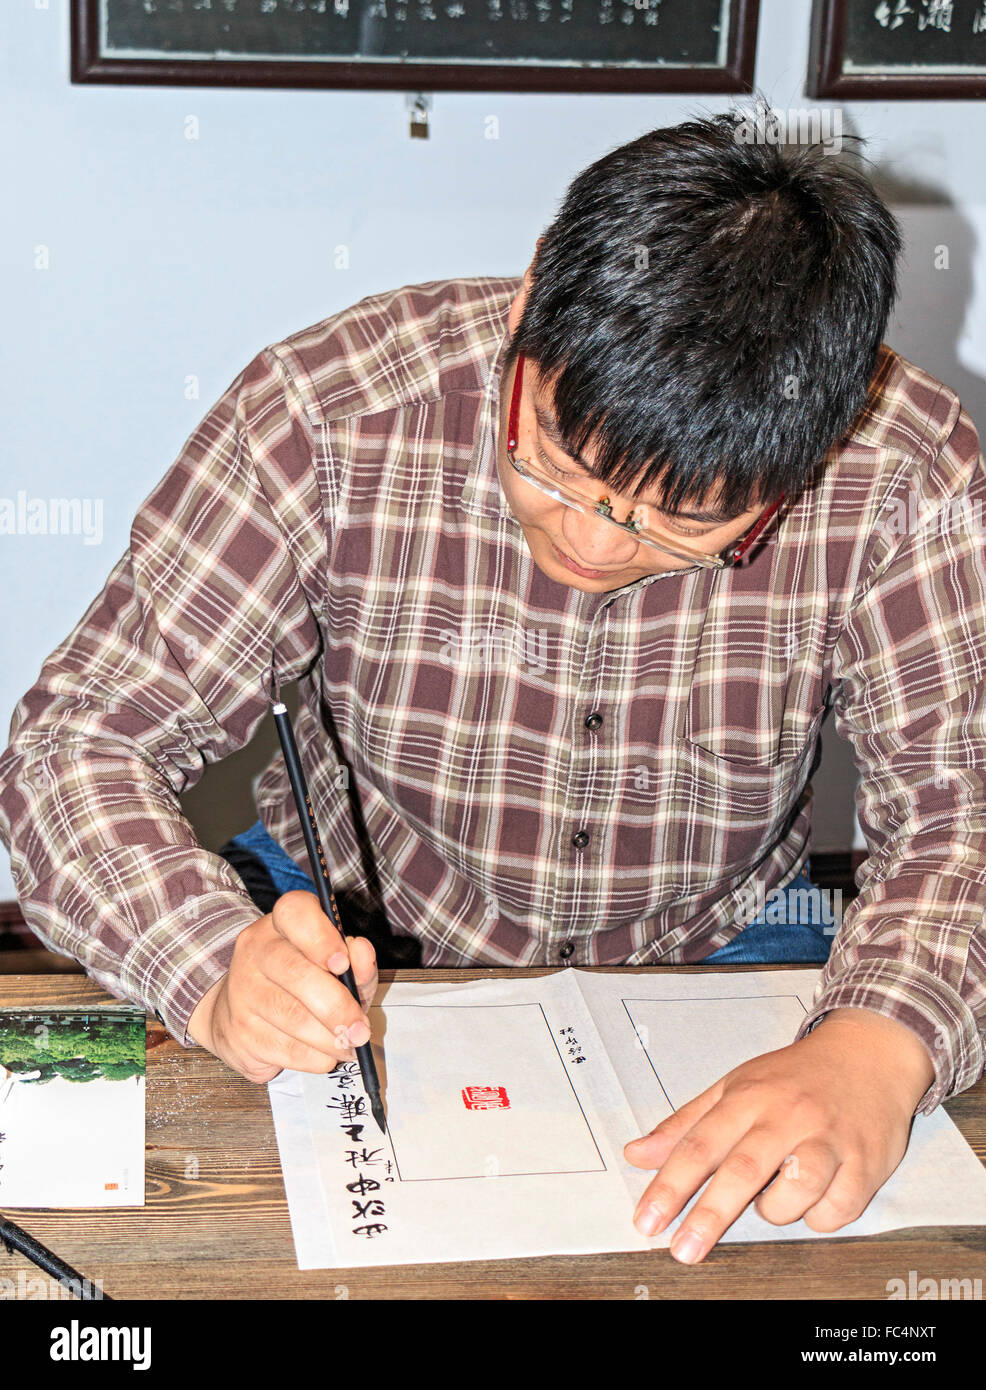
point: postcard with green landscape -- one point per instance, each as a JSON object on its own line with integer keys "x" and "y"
{"x": 72, "y": 1109}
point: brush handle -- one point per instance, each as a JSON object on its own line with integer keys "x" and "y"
{"x": 320, "y": 873}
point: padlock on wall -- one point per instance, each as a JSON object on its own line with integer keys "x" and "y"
{"x": 419, "y": 104}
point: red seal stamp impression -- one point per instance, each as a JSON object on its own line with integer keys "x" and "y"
{"x": 485, "y": 1098}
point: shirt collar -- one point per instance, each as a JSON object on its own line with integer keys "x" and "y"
{"x": 875, "y": 422}
{"x": 482, "y": 494}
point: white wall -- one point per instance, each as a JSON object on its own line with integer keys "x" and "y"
{"x": 172, "y": 258}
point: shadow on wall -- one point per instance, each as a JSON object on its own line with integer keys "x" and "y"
{"x": 936, "y": 290}
{"x": 936, "y": 285}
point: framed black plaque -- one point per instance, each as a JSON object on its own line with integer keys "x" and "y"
{"x": 420, "y": 45}
{"x": 898, "y": 49}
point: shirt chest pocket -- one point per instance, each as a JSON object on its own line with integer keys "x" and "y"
{"x": 728, "y": 814}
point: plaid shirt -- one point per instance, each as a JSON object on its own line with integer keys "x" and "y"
{"x": 340, "y": 507}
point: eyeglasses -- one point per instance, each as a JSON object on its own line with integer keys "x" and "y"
{"x": 540, "y": 478}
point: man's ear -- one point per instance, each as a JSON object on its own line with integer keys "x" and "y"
{"x": 529, "y": 272}
{"x": 517, "y": 307}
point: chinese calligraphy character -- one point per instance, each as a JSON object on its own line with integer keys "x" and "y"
{"x": 892, "y": 19}
{"x": 374, "y": 1207}
{"x": 363, "y": 1185}
{"x": 349, "y": 1107}
{"x": 355, "y": 1156}
{"x": 938, "y": 15}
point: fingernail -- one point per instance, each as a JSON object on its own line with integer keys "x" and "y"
{"x": 359, "y": 1034}
{"x": 687, "y": 1247}
{"x": 338, "y": 962}
{"x": 647, "y": 1218}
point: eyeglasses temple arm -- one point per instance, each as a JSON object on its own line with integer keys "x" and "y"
{"x": 515, "y": 404}
{"x": 739, "y": 550}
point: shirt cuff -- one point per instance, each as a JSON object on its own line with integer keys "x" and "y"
{"x": 925, "y": 1004}
{"x": 174, "y": 964}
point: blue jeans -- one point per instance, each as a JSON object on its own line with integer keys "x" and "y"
{"x": 795, "y": 925}
{"x": 784, "y": 931}
{"x": 285, "y": 873}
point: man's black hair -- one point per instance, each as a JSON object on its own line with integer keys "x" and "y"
{"x": 708, "y": 311}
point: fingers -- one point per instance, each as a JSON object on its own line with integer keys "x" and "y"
{"x": 273, "y": 1028}
{"x": 651, "y": 1150}
{"x": 706, "y": 1146}
{"x": 802, "y": 1180}
{"x": 855, "y": 1182}
{"x": 844, "y": 1200}
{"x": 738, "y": 1160}
{"x": 281, "y": 1003}
{"x": 298, "y": 917}
{"x": 744, "y": 1170}
{"x": 262, "y": 1050}
{"x": 312, "y": 1006}
{"x": 277, "y": 1007}
{"x": 743, "y": 1163}
{"x": 308, "y": 1003}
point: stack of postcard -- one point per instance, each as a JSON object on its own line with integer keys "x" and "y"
{"x": 72, "y": 1108}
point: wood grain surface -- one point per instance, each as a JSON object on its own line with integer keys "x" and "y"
{"x": 215, "y": 1224}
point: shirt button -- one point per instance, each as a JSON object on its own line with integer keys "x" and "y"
{"x": 567, "y": 950}
{"x": 580, "y": 839}
{"x": 594, "y": 721}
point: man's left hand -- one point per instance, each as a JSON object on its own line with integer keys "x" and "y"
{"x": 827, "y": 1118}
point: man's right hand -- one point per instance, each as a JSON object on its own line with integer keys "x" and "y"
{"x": 281, "y": 1005}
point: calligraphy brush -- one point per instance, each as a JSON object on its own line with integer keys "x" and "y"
{"x": 16, "y": 1238}
{"x": 320, "y": 873}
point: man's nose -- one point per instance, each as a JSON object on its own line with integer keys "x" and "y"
{"x": 596, "y": 543}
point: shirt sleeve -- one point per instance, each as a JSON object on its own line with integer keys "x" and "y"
{"x": 166, "y": 672}
{"x": 911, "y": 661}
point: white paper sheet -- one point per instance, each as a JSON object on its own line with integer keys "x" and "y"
{"x": 509, "y": 1102}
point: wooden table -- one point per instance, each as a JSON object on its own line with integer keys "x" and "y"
{"x": 216, "y": 1220}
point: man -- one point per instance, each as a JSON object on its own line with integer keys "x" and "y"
{"x": 479, "y": 521}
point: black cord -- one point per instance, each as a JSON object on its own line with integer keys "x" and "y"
{"x": 13, "y": 1238}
